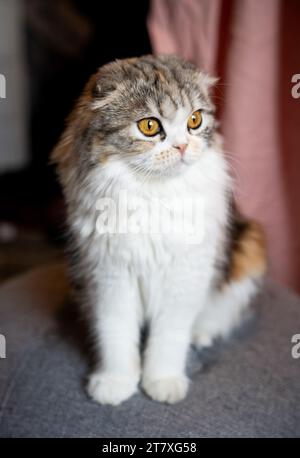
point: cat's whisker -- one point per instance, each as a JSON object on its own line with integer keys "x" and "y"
{"x": 236, "y": 165}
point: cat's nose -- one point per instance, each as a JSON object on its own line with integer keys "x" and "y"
{"x": 182, "y": 148}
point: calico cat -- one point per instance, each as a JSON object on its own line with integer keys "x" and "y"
{"x": 146, "y": 126}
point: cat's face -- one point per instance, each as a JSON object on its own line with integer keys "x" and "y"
{"x": 152, "y": 114}
{"x": 169, "y": 140}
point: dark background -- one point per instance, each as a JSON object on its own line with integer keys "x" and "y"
{"x": 65, "y": 41}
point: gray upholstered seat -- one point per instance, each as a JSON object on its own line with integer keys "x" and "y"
{"x": 248, "y": 387}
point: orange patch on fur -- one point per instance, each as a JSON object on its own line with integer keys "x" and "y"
{"x": 249, "y": 257}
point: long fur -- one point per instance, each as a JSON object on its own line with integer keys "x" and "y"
{"x": 182, "y": 292}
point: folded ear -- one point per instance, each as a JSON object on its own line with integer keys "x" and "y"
{"x": 212, "y": 80}
{"x": 207, "y": 81}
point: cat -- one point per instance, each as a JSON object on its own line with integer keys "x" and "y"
{"x": 146, "y": 126}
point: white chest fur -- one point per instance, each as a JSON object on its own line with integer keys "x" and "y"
{"x": 203, "y": 188}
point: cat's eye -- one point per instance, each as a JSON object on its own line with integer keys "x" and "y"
{"x": 149, "y": 126}
{"x": 195, "y": 120}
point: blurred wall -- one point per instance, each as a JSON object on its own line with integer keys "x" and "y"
{"x": 13, "y": 152}
{"x": 253, "y": 46}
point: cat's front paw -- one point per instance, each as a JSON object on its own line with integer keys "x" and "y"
{"x": 169, "y": 389}
{"x": 110, "y": 389}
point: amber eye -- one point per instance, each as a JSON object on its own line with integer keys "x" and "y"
{"x": 149, "y": 126}
{"x": 195, "y": 120}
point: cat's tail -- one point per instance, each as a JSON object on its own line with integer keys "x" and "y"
{"x": 227, "y": 303}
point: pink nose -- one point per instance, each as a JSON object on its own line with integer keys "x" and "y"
{"x": 182, "y": 148}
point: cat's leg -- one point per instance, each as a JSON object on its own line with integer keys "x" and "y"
{"x": 117, "y": 333}
{"x": 225, "y": 306}
{"x": 164, "y": 377}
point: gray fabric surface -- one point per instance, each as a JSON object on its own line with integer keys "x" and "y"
{"x": 248, "y": 387}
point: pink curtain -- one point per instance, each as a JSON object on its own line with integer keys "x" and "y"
{"x": 254, "y": 47}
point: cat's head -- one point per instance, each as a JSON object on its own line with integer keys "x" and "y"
{"x": 152, "y": 115}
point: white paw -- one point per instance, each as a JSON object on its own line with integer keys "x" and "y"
{"x": 169, "y": 389}
{"x": 110, "y": 389}
{"x": 203, "y": 340}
